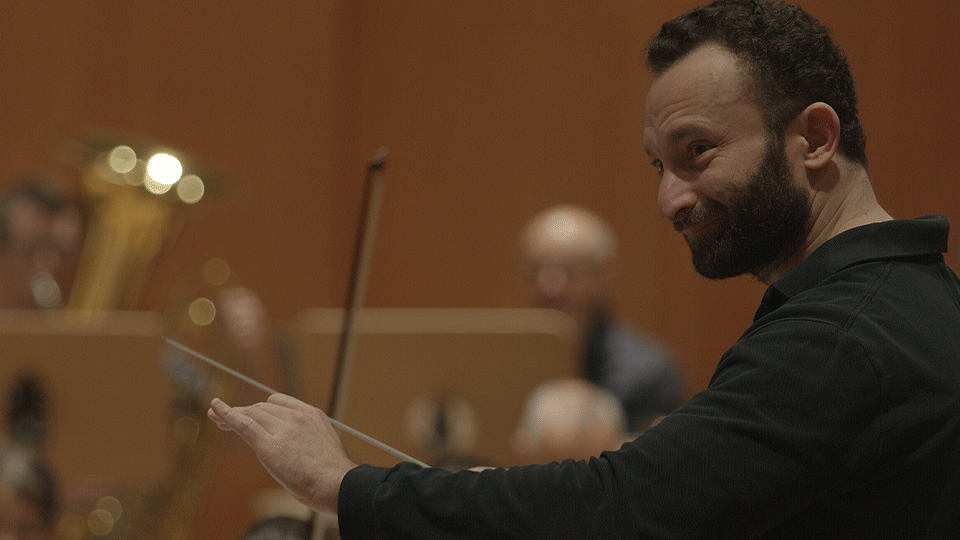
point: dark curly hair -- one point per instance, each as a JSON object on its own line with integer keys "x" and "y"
{"x": 793, "y": 60}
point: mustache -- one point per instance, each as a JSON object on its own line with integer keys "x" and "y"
{"x": 708, "y": 210}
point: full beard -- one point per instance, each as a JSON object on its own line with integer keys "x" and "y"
{"x": 762, "y": 227}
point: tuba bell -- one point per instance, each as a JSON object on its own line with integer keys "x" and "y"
{"x": 139, "y": 196}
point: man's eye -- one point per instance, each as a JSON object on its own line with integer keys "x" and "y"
{"x": 659, "y": 165}
{"x": 699, "y": 149}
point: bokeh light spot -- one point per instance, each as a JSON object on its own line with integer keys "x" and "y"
{"x": 112, "y": 505}
{"x": 122, "y": 159}
{"x": 186, "y": 430}
{"x": 164, "y": 169}
{"x": 190, "y": 189}
{"x": 216, "y": 271}
{"x": 100, "y": 522}
{"x": 202, "y": 311}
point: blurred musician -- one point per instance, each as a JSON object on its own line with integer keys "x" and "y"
{"x": 570, "y": 260}
{"x": 28, "y": 495}
{"x": 568, "y": 419}
{"x": 41, "y": 234}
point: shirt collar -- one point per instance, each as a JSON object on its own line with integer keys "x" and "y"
{"x": 877, "y": 241}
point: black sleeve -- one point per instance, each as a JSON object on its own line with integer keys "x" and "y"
{"x": 764, "y": 440}
{"x": 410, "y": 502}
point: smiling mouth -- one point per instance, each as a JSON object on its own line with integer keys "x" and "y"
{"x": 691, "y": 231}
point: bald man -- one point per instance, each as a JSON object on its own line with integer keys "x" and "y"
{"x": 570, "y": 259}
{"x": 568, "y": 419}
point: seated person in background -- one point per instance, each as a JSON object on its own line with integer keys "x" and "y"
{"x": 568, "y": 418}
{"x": 28, "y": 495}
{"x": 279, "y": 528}
{"x": 41, "y": 235}
{"x": 27, "y": 407}
{"x": 292, "y": 528}
{"x": 570, "y": 258}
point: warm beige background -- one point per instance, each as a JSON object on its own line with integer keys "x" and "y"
{"x": 492, "y": 110}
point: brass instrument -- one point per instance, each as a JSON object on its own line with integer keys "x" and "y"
{"x": 139, "y": 196}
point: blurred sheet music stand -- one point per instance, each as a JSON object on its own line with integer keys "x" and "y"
{"x": 491, "y": 358}
{"x": 109, "y": 398}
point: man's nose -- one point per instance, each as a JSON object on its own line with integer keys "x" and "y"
{"x": 675, "y": 197}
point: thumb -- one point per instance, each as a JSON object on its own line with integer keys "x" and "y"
{"x": 218, "y": 412}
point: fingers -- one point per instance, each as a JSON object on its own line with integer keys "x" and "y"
{"x": 251, "y": 423}
{"x": 236, "y": 419}
{"x": 216, "y": 413}
{"x": 295, "y": 410}
{"x": 290, "y": 402}
{"x": 277, "y": 413}
{"x": 295, "y": 443}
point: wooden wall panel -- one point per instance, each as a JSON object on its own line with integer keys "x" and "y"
{"x": 491, "y": 110}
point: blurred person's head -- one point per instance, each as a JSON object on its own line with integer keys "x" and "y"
{"x": 317, "y": 527}
{"x": 569, "y": 256}
{"x": 28, "y": 497}
{"x": 278, "y": 528}
{"x": 41, "y": 235}
{"x": 568, "y": 419}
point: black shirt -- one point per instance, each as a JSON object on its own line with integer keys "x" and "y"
{"x": 835, "y": 415}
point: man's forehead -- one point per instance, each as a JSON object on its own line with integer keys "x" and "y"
{"x": 705, "y": 80}
{"x": 709, "y": 72}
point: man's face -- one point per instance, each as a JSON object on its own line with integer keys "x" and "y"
{"x": 40, "y": 258}
{"x": 763, "y": 224}
{"x": 726, "y": 183}
{"x": 569, "y": 259}
{"x": 566, "y": 278}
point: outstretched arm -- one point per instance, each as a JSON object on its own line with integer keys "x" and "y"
{"x": 295, "y": 442}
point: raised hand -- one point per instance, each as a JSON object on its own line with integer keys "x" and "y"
{"x": 295, "y": 442}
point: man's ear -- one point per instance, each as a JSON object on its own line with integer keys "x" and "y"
{"x": 818, "y": 129}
